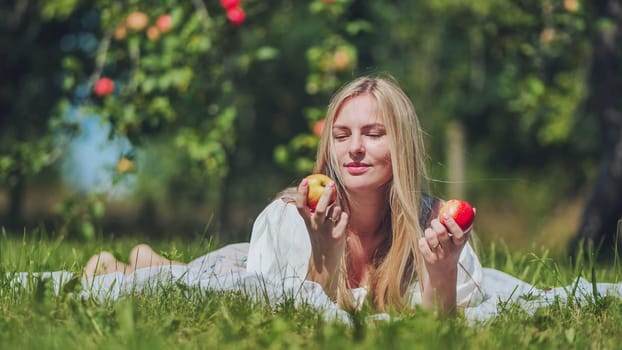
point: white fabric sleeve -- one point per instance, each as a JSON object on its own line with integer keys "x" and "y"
{"x": 279, "y": 246}
{"x": 469, "y": 290}
{"x": 468, "y": 284}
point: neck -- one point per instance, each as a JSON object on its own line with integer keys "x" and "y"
{"x": 367, "y": 230}
{"x": 367, "y": 214}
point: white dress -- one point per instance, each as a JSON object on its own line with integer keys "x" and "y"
{"x": 280, "y": 248}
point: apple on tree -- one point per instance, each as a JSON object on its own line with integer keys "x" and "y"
{"x": 341, "y": 60}
{"x": 137, "y": 20}
{"x": 120, "y": 32}
{"x": 461, "y": 211}
{"x": 317, "y": 184}
{"x": 318, "y": 126}
{"x": 228, "y": 4}
{"x": 125, "y": 165}
{"x": 103, "y": 87}
{"x": 164, "y": 23}
{"x": 236, "y": 15}
{"x": 153, "y": 33}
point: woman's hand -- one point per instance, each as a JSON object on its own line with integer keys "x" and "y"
{"x": 442, "y": 244}
{"x": 327, "y": 227}
{"x": 441, "y": 247}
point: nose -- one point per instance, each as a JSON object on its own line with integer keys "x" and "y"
{"x": 356, "y": 147}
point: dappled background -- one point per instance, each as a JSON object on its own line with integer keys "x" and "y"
{"x": 184, "y": 118}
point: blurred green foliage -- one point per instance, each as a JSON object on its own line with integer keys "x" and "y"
{"x": 209, "y": 105}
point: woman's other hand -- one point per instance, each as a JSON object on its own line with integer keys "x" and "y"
{"x": 441, "y": 247}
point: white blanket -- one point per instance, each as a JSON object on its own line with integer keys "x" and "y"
{"x": 500, "y": 289}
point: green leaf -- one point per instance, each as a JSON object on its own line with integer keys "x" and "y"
{"x": 356, "y": 27}
{"x": 266, "y": 53}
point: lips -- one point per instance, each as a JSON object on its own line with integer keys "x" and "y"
{"x": 356, "y": 168}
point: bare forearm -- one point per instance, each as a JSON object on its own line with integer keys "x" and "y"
{"x": 325, "y": 272}
{"x": 439, "y": 291}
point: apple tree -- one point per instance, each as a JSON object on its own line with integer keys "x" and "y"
{"x": 162, "y": 75}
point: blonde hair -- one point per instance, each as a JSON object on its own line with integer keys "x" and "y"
{"x": 402, "y": 257}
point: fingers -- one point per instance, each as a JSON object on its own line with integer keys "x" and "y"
{"x": 439, "y": 239}
{"x": 432, "y": 238}
{"x": 299, "y": 196}
{"x": 326, "y": 214}
{"x": 444, "y": 237}
{"x": 341, "y": 223}
{"x": 303, "y": 194}
{"x": 454, "y": 232}
{"x": 334, "y": 213}
{"x": 326, "y": 199}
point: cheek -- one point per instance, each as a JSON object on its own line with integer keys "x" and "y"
{"x": 340, "y": 150}
{"x": 382, "y": 152}
{"x": 388, "y": 165}
{"x": 386, "y": 160}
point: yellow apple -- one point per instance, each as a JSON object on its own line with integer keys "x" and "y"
{"x": 317, "y": 184}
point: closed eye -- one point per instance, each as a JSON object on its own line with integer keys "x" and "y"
{"x": 340, "y": 133}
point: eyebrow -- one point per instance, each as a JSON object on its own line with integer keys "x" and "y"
{"x": 366, "y": 126}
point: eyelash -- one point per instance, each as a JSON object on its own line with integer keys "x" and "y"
{"x": 374, "y": 135}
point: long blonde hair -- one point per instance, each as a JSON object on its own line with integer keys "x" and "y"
{"x": 402, "y": 257}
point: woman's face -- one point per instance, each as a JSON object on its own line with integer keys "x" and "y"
{"x": 361, "y": 145}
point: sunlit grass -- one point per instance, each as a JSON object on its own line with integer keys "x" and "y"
{"x": 181, "y": 317}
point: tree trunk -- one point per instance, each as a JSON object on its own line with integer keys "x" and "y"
{"x": 455, "y": 160}
{"x": 15, "y": 213}
{"x": 603, "y": 209}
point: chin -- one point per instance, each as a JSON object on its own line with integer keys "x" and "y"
{"x": 361, "y": 185}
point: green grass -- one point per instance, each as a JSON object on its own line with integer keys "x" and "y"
{"x": 191, "y": 318}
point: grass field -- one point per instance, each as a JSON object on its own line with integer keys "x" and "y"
{"x": 189, "y": 319}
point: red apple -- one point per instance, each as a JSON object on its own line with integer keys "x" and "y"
{"x": 103, "y": 87}
{"x": 461, "y": 211}
{"x": 137, "y": 20}
{"x": 317, "y": 184}
{"x": 228, "y": 4}
{"x": 236, "y": 15}
{"x": 164, "y": 23}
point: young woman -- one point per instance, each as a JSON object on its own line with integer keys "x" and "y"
{"x": 381, "y": 237}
